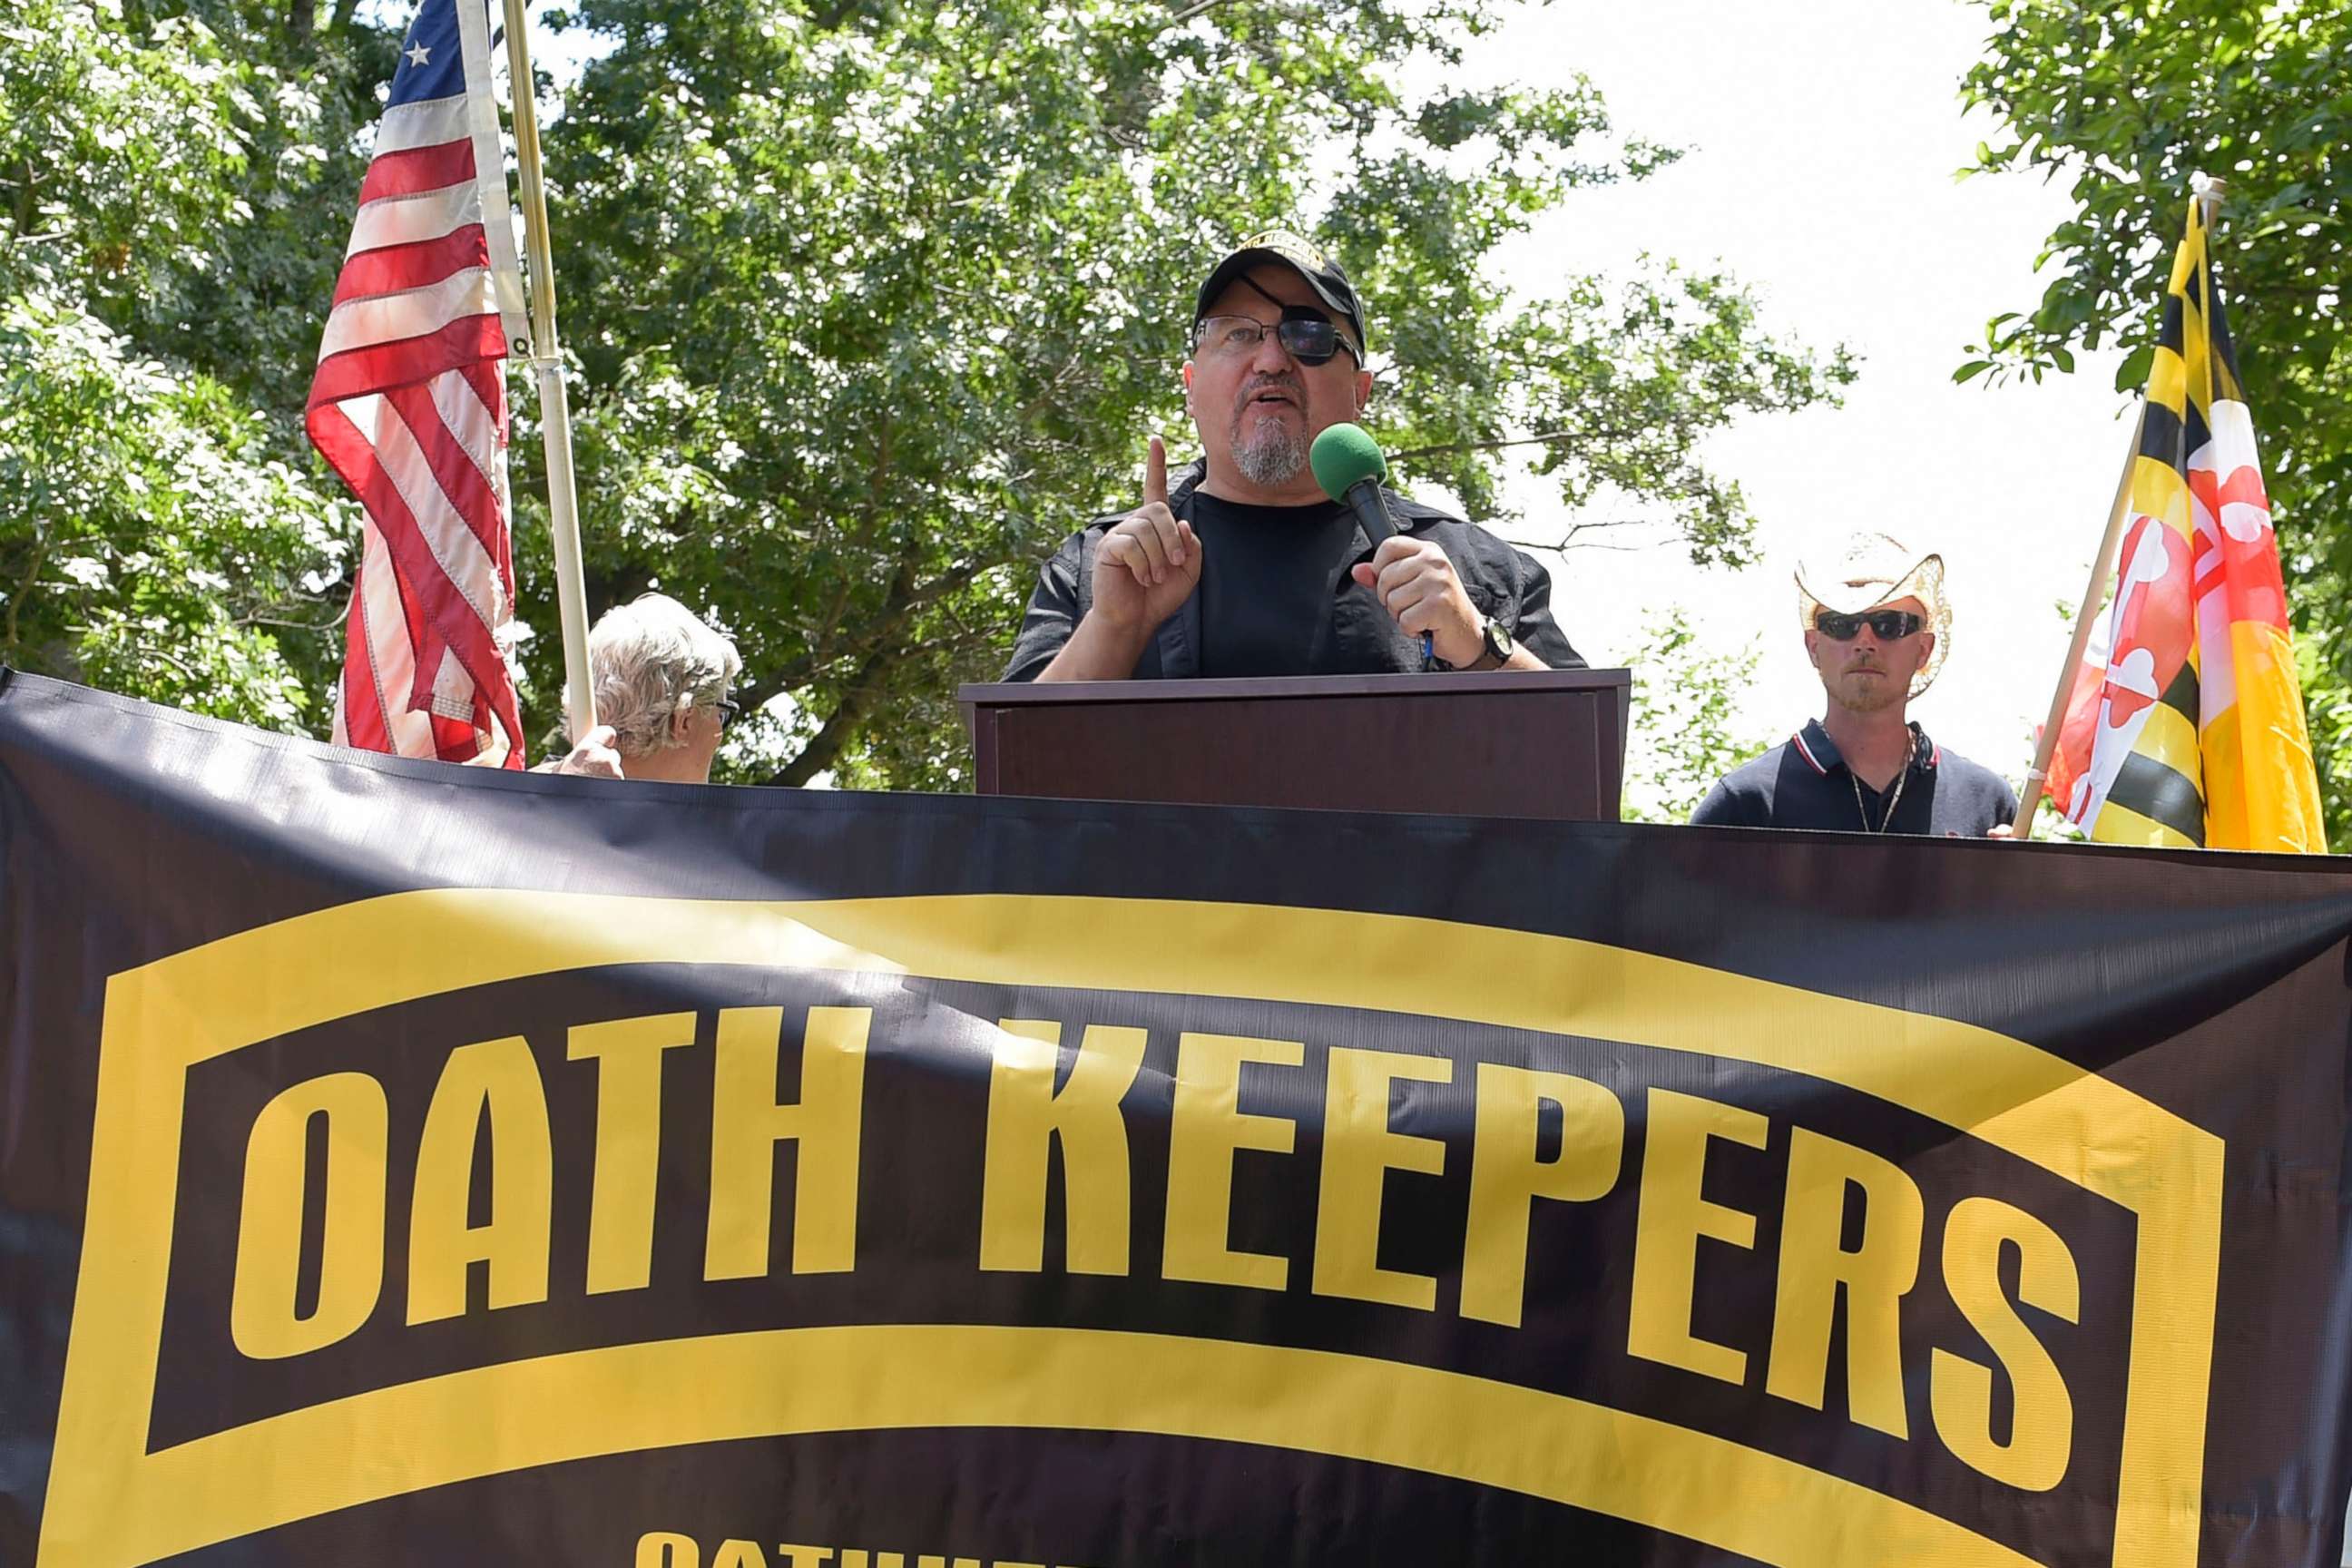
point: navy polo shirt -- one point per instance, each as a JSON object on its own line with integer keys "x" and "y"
{"x": 1804, "y": 782}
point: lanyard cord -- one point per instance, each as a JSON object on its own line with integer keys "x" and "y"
{"x": 1885, "y": 822}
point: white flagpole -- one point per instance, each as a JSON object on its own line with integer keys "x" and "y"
{"x": 2208, "y": 192}
{"x": 554, "y": 407}
{"x": 2103, "y": 565}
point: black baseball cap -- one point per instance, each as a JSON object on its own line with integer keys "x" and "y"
{"x": 1301, "y": 255}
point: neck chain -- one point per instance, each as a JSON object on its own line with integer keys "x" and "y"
{"x": 1900, "y": 779}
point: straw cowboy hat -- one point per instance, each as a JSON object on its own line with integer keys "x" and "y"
{"x": 1870, "y": 570}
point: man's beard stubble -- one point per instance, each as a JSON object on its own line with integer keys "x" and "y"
{"x": 1870, "y": 697}
{"x": 1278, "y": 452}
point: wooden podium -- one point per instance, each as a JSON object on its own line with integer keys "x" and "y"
{"x": 1548, "y": 743}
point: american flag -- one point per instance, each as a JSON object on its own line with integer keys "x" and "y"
{"x": 409, "y": 404}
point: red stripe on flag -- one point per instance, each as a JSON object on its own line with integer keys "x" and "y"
{"x": 394, "y": 269}
{"x": 437, "y": 609}
{"x": 364, "y": 723}
{"x": 452, "y": 466}
{"x": 380, "y": 367}
{"x": 459, "y": 739}
{"x": 413, "y": 170}
{"x": 490, "y": 384}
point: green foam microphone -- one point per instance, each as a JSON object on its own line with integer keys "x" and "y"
{"x": 1347, "y": 464}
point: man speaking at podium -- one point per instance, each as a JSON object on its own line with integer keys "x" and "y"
{"x": 1243, "y": 566}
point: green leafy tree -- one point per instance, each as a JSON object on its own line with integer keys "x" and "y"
{"x": 875, "y": 303}
{"x": 872, "y": 303}
{"x": 118, "y": 151}
{"x": 150, "y": 540}
{"x": 158, "y": 535}
{"x": 2127, "y": 103}
{"x": 1686, "y": 731}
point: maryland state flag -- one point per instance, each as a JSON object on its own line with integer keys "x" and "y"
{"x": 2187, "y": 729}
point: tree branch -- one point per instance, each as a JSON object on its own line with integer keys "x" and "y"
{"x": 16, "y": 600}
{"x": 892, "y": 616}
{"x": 1548, "y": 439}
{"x": 848, "y": 716}
{"x": 1198, "y": 8}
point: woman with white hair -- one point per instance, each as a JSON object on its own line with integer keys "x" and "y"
{"x": 661, "y": 677}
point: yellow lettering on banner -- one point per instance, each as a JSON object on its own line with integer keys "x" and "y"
{"x": 1875, "y": 1278}
{"x": 1027, "y": 1116}
{"x": 739, "y": 1555}
{"x": 262, "y": 1320}
{"x": 747, "y": 1122}
{"x": 628, "y": 1057}
{"x": 2041, "y": 1423}
{"x": 1505, "y": 1177}
{"x": 806, "y": 1556}
{"x": 1672, "y": 1219}
{"x": 1205, "y": 1129}
{"x": 1359, "y": 1149}
{"x": 117, "y": 1499}
{"x": 493, "y": 1085}
{"x": 664, "y": 1548}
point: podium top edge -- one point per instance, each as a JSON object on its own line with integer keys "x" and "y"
{"x": 1003, "y": 693}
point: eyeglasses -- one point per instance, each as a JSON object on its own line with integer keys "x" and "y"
{"x": 727, "y": 710}
{"x": 1886, "y": 625}
{"x": 1308, "y": 338}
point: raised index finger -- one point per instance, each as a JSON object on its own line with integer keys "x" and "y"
{"x": 1155, "y": 474}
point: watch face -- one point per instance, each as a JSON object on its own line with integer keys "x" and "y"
{"x": 1498, "y": 640}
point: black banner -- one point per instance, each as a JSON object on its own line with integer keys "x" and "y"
{"x": 405, "y": 1164}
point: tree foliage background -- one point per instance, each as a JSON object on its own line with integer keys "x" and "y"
{"x": 2127, "y": 103}
{"x": 871, "y": 303}
{"x": 1685, "y": 723}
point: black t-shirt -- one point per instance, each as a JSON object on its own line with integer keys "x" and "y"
{"x": 1259, "y": 576}
{"x": 1269, "y": 578}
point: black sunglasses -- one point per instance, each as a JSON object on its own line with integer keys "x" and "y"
{"x": 1885, "y": 625}
{"x": 1309, "y": 339}
{"x": 727, "y": 710}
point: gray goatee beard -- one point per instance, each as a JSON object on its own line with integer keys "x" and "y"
{"x": 1274, "y": 459}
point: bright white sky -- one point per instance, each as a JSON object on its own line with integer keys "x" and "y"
{"x": 1823, "y": 136}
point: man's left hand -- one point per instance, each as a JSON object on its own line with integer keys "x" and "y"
{"x": 1415, "y": 582}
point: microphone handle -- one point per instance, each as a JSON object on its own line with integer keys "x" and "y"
{"x": 1364, "y": 500}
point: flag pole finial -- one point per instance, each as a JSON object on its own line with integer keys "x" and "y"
{"x": 2209, "y": 191}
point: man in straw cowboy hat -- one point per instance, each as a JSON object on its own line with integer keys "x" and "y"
{"x": 1877, "y": 627}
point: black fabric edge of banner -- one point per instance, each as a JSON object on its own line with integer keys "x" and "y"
{"x": 757, "y": 798}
